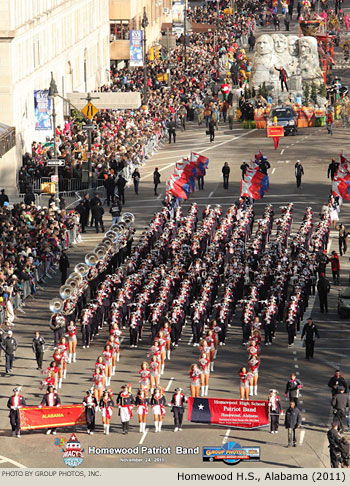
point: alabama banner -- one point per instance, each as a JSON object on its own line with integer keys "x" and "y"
{"x": 247, "y": 414}
{"x": 47, "y": 417}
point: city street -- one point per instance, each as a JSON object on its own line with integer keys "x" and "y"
{"x": 315, "y": 150}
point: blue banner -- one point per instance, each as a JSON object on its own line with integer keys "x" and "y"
{"x": 42, "y": 108}
{"x": 136, "y": 52}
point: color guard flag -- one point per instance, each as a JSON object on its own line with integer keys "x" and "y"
{"x": 183, "y": 181}
{"x": 254, "y": 184}
{"x": 341, "y": 186}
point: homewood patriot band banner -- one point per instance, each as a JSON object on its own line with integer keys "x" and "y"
{"x": 248, "y": 414}
{"x": 48, "y": 417}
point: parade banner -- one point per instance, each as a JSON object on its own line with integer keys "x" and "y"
{"x": 246, "y": 414}
{"x": 178, "y": 16}
{"x": 136, "y": 53}
{"x": 42, "y": 108}
{"x": 47, "y": 417}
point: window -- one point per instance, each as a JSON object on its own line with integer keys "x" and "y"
{"x": 119, "y": 30}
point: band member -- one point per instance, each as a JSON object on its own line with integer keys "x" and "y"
{"x": 158, "y": 403}
{"x": 145, "y": 377}
{"x": 177, "y": 407}
{"x": 107, "y": 356}
{"x": 211, "y": 343}
{"x": 195, "y": 373}
{"x": 106, "y": 405}
{"x": 204, "y": 364}
{"x": 275, "y": 409}
{"x": 60, "y": 360}
{"x": 245, "y": 378}
{"x": 252, "y": 348}
{"x": 114, "y": 345}
{"x": 142, "y": 402}
{"x": 15, "y": 402}
{"x": 72, "y": 341}
{"x": 166, "y": 330}
{"x": 50, "y": 399}
{"x": 51, "y": 373}
{"x": 125, "y": 403}
{"x": 154, "y": 367}
{"x": 99, "y": 384}
{"x": 100, "y": 364}
{"x": 254, "y": 364}
{"x": 90, "y": 404}
{"x": 162, "y": 349}
{"x": 116, "y": 332}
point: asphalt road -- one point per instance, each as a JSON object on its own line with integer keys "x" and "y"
{"x": 315, "y": 149}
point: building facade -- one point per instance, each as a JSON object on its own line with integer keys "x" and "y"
{"x": 126, "y": 15}
{"x": 67, "y": 37}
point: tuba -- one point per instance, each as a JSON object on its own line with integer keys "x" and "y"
{"x": 65, "y": 292}
{"x": 91, "y": 259}
{"x": 93, "y": 272}
{"x": 128, "y": 219}
{"x": 75, "y": 276}
{"x": 56, "y": 305}
{"x": 82, "y": 269}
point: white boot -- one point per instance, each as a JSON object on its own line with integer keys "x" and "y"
{"x": 64, "y": 374}
{"x": 113, "y": 370}
{"x": 202, "y": 391}
{"x": 215, "y": 353}
{"x": 159, "y": 426}
{"x": 256, "y": 390}
{"x": 107, "y": 429}
{"x": 250, "y": 390}
{"x": 152, "y": 390}
{"x": 144, "y": 427}
{"x": 162, "y": 369}
{"x": 70, "y": 358}
{"x": 60, "y": 383}
{"x": 168, "y": 354}
{"x": 141, "y": 427}
{"x": 108, "y": 381}
{"x": 206, "y": 390}
{"x": 104, "y": 428}
{"x": 156, "y": 426}
{"x": 117, "y": 357}
{"x": 74, "y": 357}
{"x": 212, "y": 366}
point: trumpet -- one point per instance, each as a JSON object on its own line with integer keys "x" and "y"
{"x": 82, "y": 269}
{"x": 65, "y": 292}
{"x": 91, "y": 259}
{"x": 128, "y": 219}
{"x": 56, "y": 305}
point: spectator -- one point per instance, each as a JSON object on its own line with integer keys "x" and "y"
{"x": 3, "y": 198}
{"x": 136, "y": 178}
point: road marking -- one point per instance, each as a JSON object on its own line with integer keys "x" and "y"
{"x": 282, "y": 151}
{"x": 143, "y": 436}
{"x": 169, "y": 384}
{"x": 301, "y": 401}
{"x": 11, "y": 461}
{"x": 160, "y": 195}
{"x": 228, "y": 431}
{"x": 205, "y": 150}
{"x": 297, "y": 373}
{"x": 302, "y": 436}
{"x": 189, "y": 342}
{"x": 273, "y": 171}
{"x": 295, "y": 359}
{"x": 210, "y": 195}
{"x": 287, "y": 161}
{"x": 280, "y": 161}
{"x": 296, "y": 366}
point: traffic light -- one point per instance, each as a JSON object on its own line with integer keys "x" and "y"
{"x": 158, "y": 52}
{"x": 151, "y": 54}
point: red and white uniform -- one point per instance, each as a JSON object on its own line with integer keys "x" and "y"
{"x": 245, "y": 378}
{"x": 63, "y": 348}
{"x": 211, "y": 342}
{"x": 107, "y": 356}
{"x": 204, "y": 365}
{"x": 195, "y": 377}
{"x": 98, "y": 381}
{"x": 166, "y": 332}
{"x": 144, "y": 375}
{"x": 155, "y": 351}
{"x": 154, "y": 368}
{"x": 72, "y": 333}
{"x": 205, "y": 348}
{"x": 254, "y": 365}
{"x": 102, "y": 367}
{"x": 114, "y": 347}
{"x": 59, "y": 359}
{"x": 162, "y": 343}
{"x": 252, "y": 350}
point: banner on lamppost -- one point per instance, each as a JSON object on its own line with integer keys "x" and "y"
{"x": 136, "y": 52}
{"x": 178, "y": 16}
{"x": 42, "y": 109}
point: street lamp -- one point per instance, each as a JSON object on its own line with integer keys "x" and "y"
{"x": 53, "y": 91}
{"x": 144, "y": 25}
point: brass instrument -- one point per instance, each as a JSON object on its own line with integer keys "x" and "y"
{"x": 101, "y": 253}
{"x": 82, "y": 269}
{"x": 75, "y": 276}
{"x": 91, "y": 259}
{"x": 56, "y": 305}
{"x": 128, "y": 219}
{"x": 65, "y": 292}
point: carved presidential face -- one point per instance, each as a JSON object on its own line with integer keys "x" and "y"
{"x": 280, "y": 43}
{"x": 264, "y": 45}
{"x": 293, "y": 45}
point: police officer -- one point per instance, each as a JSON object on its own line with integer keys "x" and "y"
{"x": 311, "y": 333}
{"x": 177, "y": 407}
{"x": 340, "y": 403}
{"x": 15, "y": 402}
{"x": 337, "y": 450}
{"x": 9, "y": 345}
{"x": 38, "y": 346}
